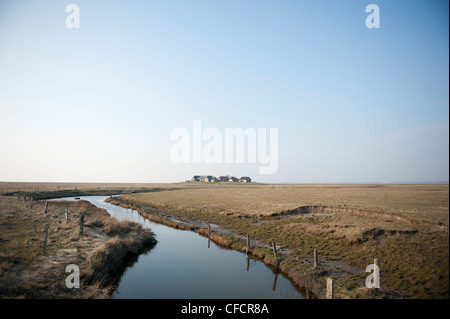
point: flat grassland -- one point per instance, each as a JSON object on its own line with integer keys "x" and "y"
{"x": 404, "y": 226}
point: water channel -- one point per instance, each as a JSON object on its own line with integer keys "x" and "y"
{"x": 184, "y": 265}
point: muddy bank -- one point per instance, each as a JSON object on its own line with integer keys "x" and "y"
{"x": 99, "y": 252}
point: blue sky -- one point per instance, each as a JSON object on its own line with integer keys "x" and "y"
{"x": 98, "y": 103}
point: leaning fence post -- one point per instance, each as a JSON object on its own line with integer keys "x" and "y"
{"x": 67, "y": 214}
{"x": 44, "y": 249}
{"x": 316, "y": 260}
{"x": 330, "y": 289}
{"x": 81, "y": 223}
{"x": 275, "y": 252}
{"x": 248, "y": 243}
{"x": 46, "y": 207}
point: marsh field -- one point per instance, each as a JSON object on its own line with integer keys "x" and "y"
{"x": 404, "y": 226}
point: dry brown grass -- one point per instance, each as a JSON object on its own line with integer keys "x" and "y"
{"x": 99, "y": 252}
{"x": 103, "y": 262}
{"x": 420, "y": 202}
{"x": 405, "y": 226}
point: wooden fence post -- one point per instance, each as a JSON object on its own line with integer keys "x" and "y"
{"x": 44, "y": 249}
{"x": 248, "y": 243}
{"x": 209, "y": 235}
{"x": 67, "y": 214}
{"x": 81, "y": 223}
{"x": 275, "y": 252}
{"x": 316, "y": 260}
{"x": 31, "y": 202}
{"x": 46, "y": 207}
{"x": 330, "y": 289}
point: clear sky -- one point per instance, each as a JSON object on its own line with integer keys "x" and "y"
{"x": 98, "y": 103}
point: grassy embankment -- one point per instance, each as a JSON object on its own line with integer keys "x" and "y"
{"x": 99, "y": 252}
{"x": 404, "y": 226}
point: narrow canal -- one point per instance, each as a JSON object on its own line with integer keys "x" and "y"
{"x": 184, "y": 265}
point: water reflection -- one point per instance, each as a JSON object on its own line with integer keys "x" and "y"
{"x": 131, "y": 261}
{"x": 275, "y": 282}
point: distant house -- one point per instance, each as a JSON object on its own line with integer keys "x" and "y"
{"x": 207, "y": 178}
{"x": 227, "y": 178}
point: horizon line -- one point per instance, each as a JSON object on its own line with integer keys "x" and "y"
{"x": 256, "y": 182}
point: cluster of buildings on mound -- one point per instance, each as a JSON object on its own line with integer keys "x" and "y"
{"x": 227, "y": 178}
